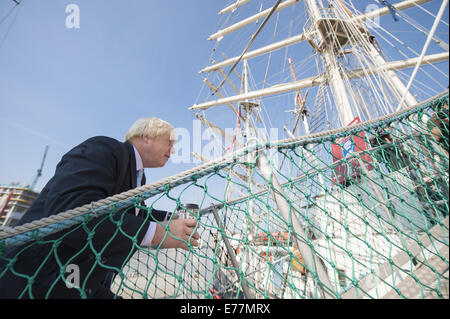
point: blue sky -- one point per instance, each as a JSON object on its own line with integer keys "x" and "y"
{"x": 60, "y": 86}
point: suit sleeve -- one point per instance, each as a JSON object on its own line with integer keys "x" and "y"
{"x": 155, "y": 214}
{"x": 88, "y": 173}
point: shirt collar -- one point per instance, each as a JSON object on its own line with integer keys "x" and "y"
{"x": 139, "y": 164}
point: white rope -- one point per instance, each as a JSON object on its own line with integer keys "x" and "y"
{"x": 424, "y": 51}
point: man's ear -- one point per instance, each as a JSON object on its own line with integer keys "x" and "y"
{"x": 145, "y": 139}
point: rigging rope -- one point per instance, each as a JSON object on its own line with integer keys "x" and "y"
{"x": 248, "y": 45}
{"x": 424, "y": 50}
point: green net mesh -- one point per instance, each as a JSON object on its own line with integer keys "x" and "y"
{"x": 355, "y": 213}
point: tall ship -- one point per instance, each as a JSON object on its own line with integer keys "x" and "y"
{"x": 326, "y": 171}
{"x": 340, "y": 189}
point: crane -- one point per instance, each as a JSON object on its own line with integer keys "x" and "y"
{"x": 39, "y": 171}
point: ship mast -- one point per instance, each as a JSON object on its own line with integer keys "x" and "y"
{"x": 335, "y": 34}
{"x": 347, "y": 58}
{"x": 328, "y": 50}
{"x": 249, "y": 138}
{"x": 379, "y": 61}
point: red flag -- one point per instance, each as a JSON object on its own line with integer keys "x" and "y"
{"x": 349, "y": 147}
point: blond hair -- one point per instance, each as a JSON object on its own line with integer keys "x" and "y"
{"x": 150, "y": 126}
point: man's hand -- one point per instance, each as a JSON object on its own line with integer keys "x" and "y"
{"x": 179, "y": 233}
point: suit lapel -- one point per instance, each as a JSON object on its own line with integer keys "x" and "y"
{"x": 133, "y": 177}
{"x": 132, "y": 165}
{"x": 143, "y": 179}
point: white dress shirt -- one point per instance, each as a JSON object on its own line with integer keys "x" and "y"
{"x": 152, "y": 227}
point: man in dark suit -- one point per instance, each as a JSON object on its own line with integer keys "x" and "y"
{"x": 97, "y": 168}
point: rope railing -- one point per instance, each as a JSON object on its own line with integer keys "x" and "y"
{"x": 359, "y": 212}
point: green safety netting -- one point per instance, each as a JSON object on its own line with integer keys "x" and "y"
{"x": 360, "y": 212}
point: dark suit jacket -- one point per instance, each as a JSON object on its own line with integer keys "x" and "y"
{"x": 95, "y": 169}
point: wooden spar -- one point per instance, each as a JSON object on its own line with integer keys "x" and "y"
{"x": 301, "y": 37}
{"x": 234, "y": 6}
{"x": 385, "y": 10}
{"x": 235, "y": 72}
{"x": 300, "y": 101}
{"x": 213, "y": 126}
{"x": 347, "y": 10}
{"x": 229, "y": 81}
{"x": 398, "y": 65}
{"x": 209, "y": 84}
{"x": 300, "y": 110}
{"x": 316, "y": 80}
{"x": 221, "y": 33}
{"x": 259, "y": 93}
{"x": 257, "y": 52}
{"x": 229, "y": 104}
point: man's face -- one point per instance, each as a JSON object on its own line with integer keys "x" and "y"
{"x": 157, "y": 150}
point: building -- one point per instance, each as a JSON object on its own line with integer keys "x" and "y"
{"x": 14, "y": 202}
